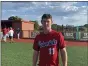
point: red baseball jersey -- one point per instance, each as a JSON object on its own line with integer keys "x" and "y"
{"x": 48, "y": 45}
{"x": 5, "y": 31}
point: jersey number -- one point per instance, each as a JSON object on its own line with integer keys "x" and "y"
{"x": 51, "y": 51}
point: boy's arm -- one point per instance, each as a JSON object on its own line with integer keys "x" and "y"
{"x": 35, "y": 57}
{"x": 36, "y": 51}
{"x": 64, "y": 56}
{"x": 62, "y": 46}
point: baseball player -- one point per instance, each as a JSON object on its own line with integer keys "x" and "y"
{"x": 48, "y": 44}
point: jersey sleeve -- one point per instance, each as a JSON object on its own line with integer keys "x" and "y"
{"x": 61, "y": 43}
{"x": 35, "y": 45}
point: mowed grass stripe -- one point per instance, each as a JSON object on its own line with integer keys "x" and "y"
{"x": 16, "y": 54}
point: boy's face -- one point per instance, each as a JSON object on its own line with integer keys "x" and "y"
{"x": 46, "y": 23}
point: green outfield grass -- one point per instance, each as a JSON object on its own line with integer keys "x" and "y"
{"x": 20, "y": 54}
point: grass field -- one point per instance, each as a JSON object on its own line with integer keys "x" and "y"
{"x": 20, "y": 54}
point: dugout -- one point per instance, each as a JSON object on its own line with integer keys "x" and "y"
{"x": 6, "y": 23}
{"x": 26, "y": 27}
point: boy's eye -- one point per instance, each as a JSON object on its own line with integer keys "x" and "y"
{"x": 47, "y": 21}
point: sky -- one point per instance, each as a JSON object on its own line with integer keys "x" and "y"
{"x": 66, "y": 13}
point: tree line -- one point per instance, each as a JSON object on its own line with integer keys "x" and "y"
{"x": 54, "y": 26}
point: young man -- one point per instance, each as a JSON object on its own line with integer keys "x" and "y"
{"x": 5, "y": 31}
{"x": 48, "y": 44}
{"x": 18, "y": 33}
{"x": 11, "y": 32}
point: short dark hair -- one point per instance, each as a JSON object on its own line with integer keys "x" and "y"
{"x": 46, "y": 16}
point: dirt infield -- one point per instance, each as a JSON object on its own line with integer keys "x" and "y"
{"x": 76, "y": 43}
{"x": 69, "y": 43}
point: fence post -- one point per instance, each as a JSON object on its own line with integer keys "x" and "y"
{"x": 77, "y": 33}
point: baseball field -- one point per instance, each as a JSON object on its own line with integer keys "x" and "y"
{"x": 20, "y": 53}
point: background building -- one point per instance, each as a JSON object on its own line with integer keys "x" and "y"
{"x": 26, "y": 27}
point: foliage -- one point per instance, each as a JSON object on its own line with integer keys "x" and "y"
{"x": 14, "y": 18}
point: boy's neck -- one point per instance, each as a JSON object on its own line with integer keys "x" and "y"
{"x": 47, "y": 31}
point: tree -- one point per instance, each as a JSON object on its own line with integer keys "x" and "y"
{"x": 54, "y": 27}
{"x": 36, "y": 25}
{"x": 14, "y": 18}
{"x": 86, "y": 25}
{"x": 59, "y": 28}
{"x": 81, "y": 29}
